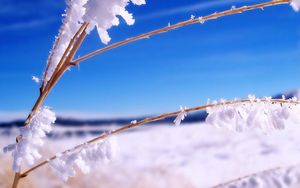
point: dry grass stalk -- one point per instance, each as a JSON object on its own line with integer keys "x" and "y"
{"x": 203, "y": 19}
{"x": 153, "y": 119}
{"x": 67, "y": 61}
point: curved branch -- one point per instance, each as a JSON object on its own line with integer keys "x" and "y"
{"x": 203, "y": 19}
{"x": 153, "y": 119}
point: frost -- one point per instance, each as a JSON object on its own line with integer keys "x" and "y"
{"x": 36, "y": 79}
{"x": 133, "y": 122}
{"x": 104, "y": 14}
{"x": 180, "y": 117}
{"x": 201, "y": 20}
{"x": 85, "y": 158}
{"x": 72, "y": 22}
{"x": 295, "y": 4}
{"x": 256, "y": 113}
{"x": 192, "y": 17}
{"x": 31, "y": 138}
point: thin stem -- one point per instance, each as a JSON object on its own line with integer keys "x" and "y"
{"x": 45, "y": 91}
{"x": 63, "y": 65}
{"x": 182, "y": 24}
{"x": 16, "y": 180}
{"x": 153, "y": 119}
{"x": 67, "y": 54}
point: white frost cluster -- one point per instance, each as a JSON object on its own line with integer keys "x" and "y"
{"x": 85, "y": 158}
{"x": 72, "y": 22}
{"x": 295, "y": 4}
{"x": 102, "y": 14}
{"x": 31, "y": 138}
{"x": 265, "y": 115}
{"x": 283, "y": 178}
{"x": 181, "y": 116}
{"x": 36, "y": 79}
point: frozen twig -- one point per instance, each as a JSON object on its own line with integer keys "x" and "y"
{"x": 169, "y": 27}
{"x": 163, "y": 116}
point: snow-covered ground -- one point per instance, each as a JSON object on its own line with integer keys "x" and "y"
{"x": 194, "y": 155}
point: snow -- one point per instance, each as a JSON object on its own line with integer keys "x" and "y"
{"x": 198, "y": 153}
{"x": 202, "y": 153}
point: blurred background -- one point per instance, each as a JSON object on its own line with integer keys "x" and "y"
{"x": 257, "y": 52}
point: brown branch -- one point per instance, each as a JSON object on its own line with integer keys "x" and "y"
{"x": 71, "y": 49}
{"x": 66, "y": 61}
{"x": 182, "y": 24}
{"x": 16, "y": 180}
{"x": 63, "y": 65}
{"x": 153, "y": 119}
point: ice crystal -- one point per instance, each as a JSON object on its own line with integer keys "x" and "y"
{"x": 201, "y": 20}
{"x": 26, "y": 149}
{"x": 256, "y": 113}
{"x": 133, "y": 122}
{"x": 85, "y": 158}
{"x": 36, "y": 79}
{"x": 180, "y": 117}
{"x": 72, "y": 22}
{"x": 104, "y": 14}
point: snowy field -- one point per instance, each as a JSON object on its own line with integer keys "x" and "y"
{"x": 194, "y": 155}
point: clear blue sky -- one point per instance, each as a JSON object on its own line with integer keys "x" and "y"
{"x": 256, "y": 52}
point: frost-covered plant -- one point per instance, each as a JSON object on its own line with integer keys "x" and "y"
{"x": 85, "y": 158}
{"x": 257, "y": 113}
{"x": 100, "y": 14}
{"x": 181, "y": 116}
{"x": 81, "y": 17}
{"x": 26, "y": 149}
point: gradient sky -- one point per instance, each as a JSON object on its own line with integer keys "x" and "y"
{"x": 256, "y": 52}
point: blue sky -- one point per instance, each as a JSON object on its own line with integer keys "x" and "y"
{"x": 256, "y": 52}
